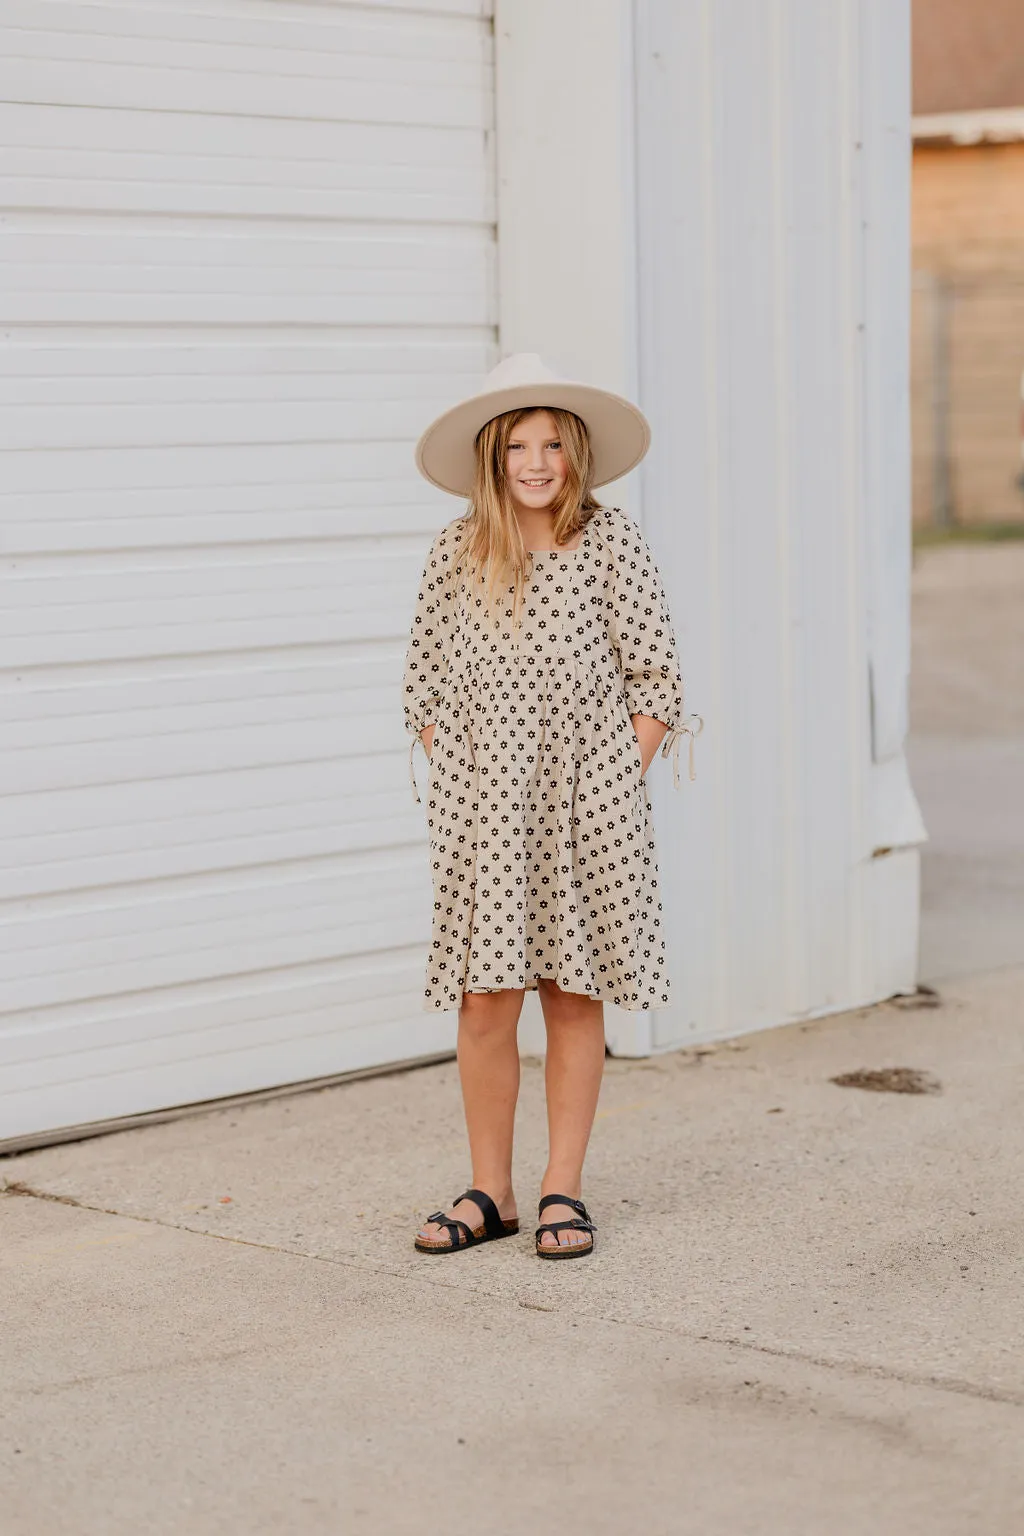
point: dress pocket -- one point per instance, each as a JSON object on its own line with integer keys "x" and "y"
{"x": 435, "y": 742}
{"x": 634, "y": 746}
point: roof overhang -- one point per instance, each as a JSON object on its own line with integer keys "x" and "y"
{"x": 997, "y": 125}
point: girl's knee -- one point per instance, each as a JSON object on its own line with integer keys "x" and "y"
{"x": 485, "y": 1013}
{"x": 573, "y": 1006}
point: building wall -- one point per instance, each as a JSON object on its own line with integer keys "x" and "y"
{"x": 247, "y": 251}
{"x": 968, "y": 208}
{"x": 773, "y": 195}
{"x": 968, "y": 332}
{"x": 744, "y": 268}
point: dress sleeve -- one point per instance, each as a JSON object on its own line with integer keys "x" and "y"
{"x": 643, "y": 634}
{"x": 426, "y": 658}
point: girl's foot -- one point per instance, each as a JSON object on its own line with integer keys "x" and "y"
{"x": 579, "y": 1235}
{"x": 436, "y": 1234}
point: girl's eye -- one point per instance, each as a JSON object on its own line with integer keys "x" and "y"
{"x": 556, "y": 444}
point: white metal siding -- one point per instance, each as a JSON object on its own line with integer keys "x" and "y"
{"x": 247, "y": 248}
{"x": 773, "y": 196}
{"x": 740, "y": 197}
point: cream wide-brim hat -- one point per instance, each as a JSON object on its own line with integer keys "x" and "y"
{"x": 619, "y": 432}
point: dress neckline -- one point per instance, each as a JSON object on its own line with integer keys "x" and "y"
{"x": 565, "y": 553}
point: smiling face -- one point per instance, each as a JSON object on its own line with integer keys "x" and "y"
{"x": 535, "y": 463}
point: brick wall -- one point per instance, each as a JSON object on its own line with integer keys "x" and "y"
{"x": 967, "y": 342}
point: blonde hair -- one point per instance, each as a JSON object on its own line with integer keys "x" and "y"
{"x": 492, "y": 550}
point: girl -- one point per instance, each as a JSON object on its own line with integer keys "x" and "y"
{"x": 541, "y": 676}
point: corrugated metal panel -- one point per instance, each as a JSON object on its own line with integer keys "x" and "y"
{"x": 247, "y": 248}
{"x": 773, "y": 331}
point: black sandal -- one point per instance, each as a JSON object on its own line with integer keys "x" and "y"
{"x": 580, "y": 1223}
{"x": 461, "y": 1235}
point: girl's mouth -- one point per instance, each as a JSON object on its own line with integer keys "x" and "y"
{"x": 535, "y": 485}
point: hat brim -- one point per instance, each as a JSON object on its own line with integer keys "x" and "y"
{"x": 619, "y": 431}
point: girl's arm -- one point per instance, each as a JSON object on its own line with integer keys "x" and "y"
{"x": 649, "y": 733}
{"x": 426, "y": 658}
{"x": 645, "y": 641}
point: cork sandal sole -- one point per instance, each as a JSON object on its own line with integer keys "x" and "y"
{"x": 460, "y": 1235}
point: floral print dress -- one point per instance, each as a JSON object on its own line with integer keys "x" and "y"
{"x": 541, "y": 843}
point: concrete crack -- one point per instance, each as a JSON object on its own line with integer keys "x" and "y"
{"x": 954, "y": 1385}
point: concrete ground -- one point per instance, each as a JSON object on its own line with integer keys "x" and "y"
{"x": 802, "y": 1319}
{"x": 967, "y": 754}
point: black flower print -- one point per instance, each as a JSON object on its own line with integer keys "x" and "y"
{"x": 541, "y": 844}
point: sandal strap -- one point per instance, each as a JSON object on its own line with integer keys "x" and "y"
{"x": 453, "y": 1226}
{"x": 493, "y": 1224}
{"x": 565, "y": 1226}
{"x": 576, "y": 1205}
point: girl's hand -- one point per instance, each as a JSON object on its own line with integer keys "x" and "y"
{"x": 427, "y": 738}
{"x": 649, "y": 735}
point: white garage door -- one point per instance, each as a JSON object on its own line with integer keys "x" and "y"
{"x": 247, "y": 246}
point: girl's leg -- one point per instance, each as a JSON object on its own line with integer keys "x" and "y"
{"x": 488, "y": 1054}
{"x": 573, "y": 1071}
